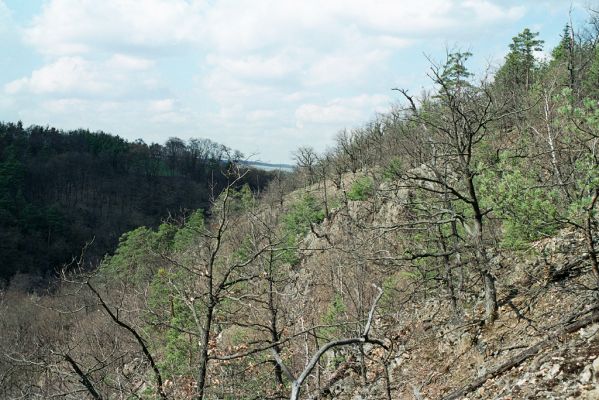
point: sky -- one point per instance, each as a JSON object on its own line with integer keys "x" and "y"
{"x": 261, "y": 76}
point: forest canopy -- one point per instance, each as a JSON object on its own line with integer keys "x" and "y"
{"x": 62, "y": 189}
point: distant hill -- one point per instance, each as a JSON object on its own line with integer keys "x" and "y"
{"x": 269, "y": 167}
{"x": 59, "y": 190}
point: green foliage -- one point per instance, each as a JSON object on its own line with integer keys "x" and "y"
{"x": 587, "y": 171}
{"x": 582, "y": 124}
{"x": 454, "y": 73}
{"x": 525, "y": 44}
{"x": 100, "y": 186}
{"x": 361, "y": 189}
{"x": 138, "y": 255}
{"x": 296, "y": 223}
{"x": 12, "y": 175}
{"x": 590, "y": 81}
{"x": 301, "y": 214}
{"x": 237, "y": 200}
{"x": 333, "y": 315}
{"x": 189, "y": 233}
{"x": 178, "y": 346}
{"x": 243, "y": 198}
{"x": 389, "y": 286}
{"x": 289, "y": 253}
{"x": 562, "y": 51}
{"x": 335, "y": 202}
{"x": 423, "y": 269}
{"x": 169, "y": 309}
{"x": 518, "y": 71}
{"x": 528, "y": 211}
{"x": 583, "y": 118}
{"x": 245, "y": 250}
{"x": 393, "y": 170}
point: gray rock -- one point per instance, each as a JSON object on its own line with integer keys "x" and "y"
{"x": 553, "y": 372}
{"x": 586, "y": 375}
{"x": 595, "y": 367}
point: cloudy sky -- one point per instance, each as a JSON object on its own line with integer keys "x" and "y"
{"x": 261, "y": 76}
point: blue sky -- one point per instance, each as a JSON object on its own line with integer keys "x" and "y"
{"x": 261, "y": 76}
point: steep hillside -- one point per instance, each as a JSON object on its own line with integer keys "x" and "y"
{"x": 545, "y": 343}
{"x": 447, "y": 249}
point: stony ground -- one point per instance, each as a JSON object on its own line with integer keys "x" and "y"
{"x": 544, "y": 298}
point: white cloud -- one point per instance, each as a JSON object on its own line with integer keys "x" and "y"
{"x": 257, "y": 67}
{"x": 6, "y": 23}
{"x": 309, "y": 41}
{"x": 225, "y": 88}
{"x": 162, "y": 106}
{"x": 67, "y": 74}
{"x": 298, "y": 96}
{"x": 66, "y": 105}
{"x": 487, "y": 11}
{"x": 344, "y": 111}
{"x": 344, "y": 67}
{"x": 76, "y": 75}
{"x": 431, "y": 16}
{"x": 234, "y": 27}
{"x": 127, "y": 62}
{"x": 267, "y": 50}
{"x": 254, "y": 71}
{"x": 67, "y": 27}
{"x": 260, "y": 115}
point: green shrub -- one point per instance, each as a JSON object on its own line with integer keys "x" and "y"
{"x": 296, "y": 223}
{"x": 166, "y": 305}
{"x": 138, "y": 255}
{"x": 528, "y": 211}
{"x": 393, "y": 170}
{"x": 189, "y": 232}
{"x": 334, "y": 315}
{"x": 361, "y": 189}
{"x": 587, "y": 172}
{"x": 301, "y": 214}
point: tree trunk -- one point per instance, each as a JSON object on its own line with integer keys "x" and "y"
{"x": 590, "y": 238}
{"x": 295, "y": 391}
{"x": 272, "y": 308}
{"x": 447, "y": 272}
{"x": 490, "y": 298}
{"x": 491, "y": 306}
{"x": 592, "y": 253}
{"x": 274, "y": 336}
{"x": 203, "y": 364}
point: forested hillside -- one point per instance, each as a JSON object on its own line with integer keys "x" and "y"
{"x": 447, "y": 249}
{"x": 60, "y": 190}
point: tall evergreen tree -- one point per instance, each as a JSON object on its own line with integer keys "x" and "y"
{"x": 520, "y": 66}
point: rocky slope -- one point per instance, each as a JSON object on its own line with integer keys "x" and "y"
{"x": 545, "y": 343}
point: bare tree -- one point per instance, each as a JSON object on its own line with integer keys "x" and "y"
{"x": 455, "y": 124}
{"x": 296, "y": 383}
{"x": 211, "y": 270}
{"x": 306, "y": 159}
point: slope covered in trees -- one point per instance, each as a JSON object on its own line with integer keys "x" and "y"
{"x": 60, "y": 190}
{"x": 426, "y": 255}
